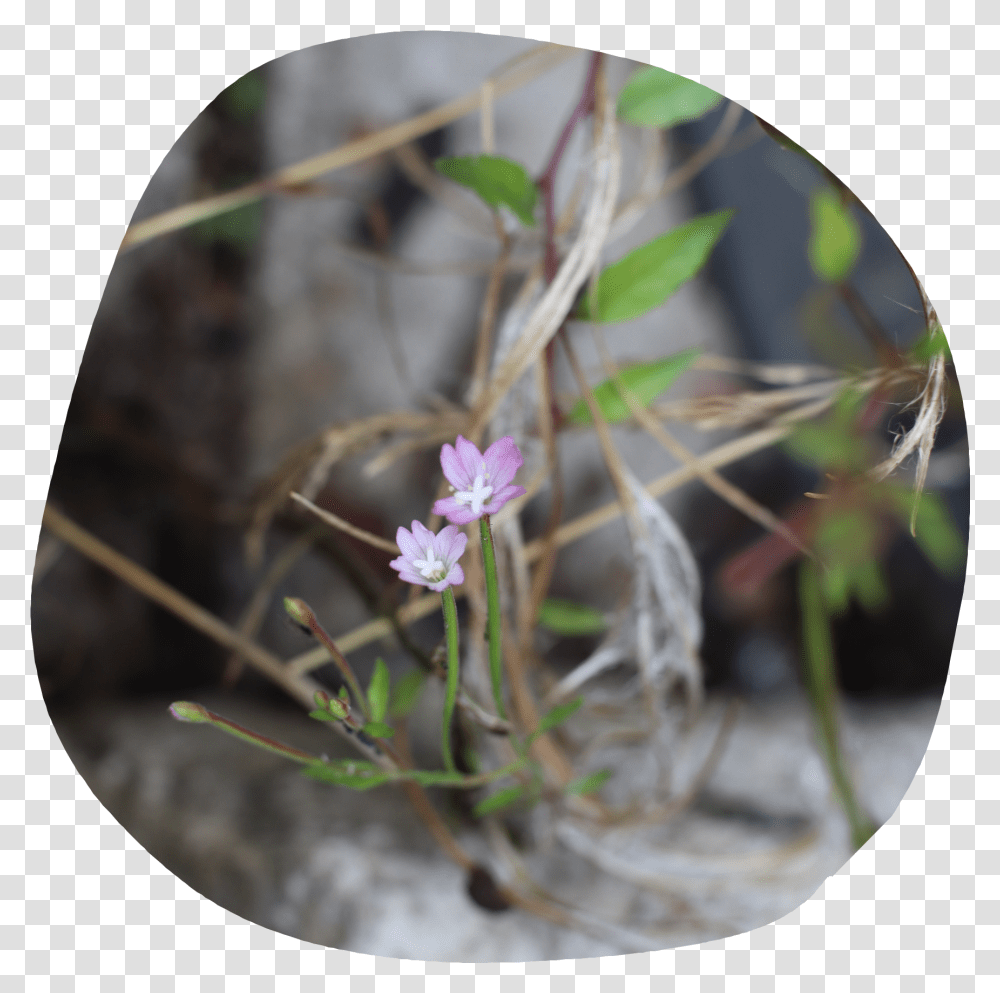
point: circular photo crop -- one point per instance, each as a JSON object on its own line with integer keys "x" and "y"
{"x": 513, "y": 506}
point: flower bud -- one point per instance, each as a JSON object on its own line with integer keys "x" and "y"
{"x": 192, "y": 713}
{"x": 299, "y": 613}
{"x": 339, "y": 709}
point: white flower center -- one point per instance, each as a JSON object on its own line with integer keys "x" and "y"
{"x": 478, "y": 495}
{"x": 430, "y": 567}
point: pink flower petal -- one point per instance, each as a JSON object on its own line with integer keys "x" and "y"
{"x": 456, "y": 575}
{"x": 471, "y": 460}
{"x": 451, "y": 466}
{"x": 457, "y": 513}
{"x": 407, "y": 545}
{"x": 407, "y": 572}
{"x": 503, "y": 458}
{"x": 424, "y": 537}
{"x": 507, "y": 493}
{"x": 450, "y": 544}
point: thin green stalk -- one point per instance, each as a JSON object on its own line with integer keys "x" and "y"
{"x": 493, "y": 623}
{"x": 451, "y": 686}
{"x": 302, "y": 614}
{"x": 821, "y": 685}
{"x": 195, "y": 713}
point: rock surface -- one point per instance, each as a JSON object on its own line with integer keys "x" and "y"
{"x": 359, "y": 871}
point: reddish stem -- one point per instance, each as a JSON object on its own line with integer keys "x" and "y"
{"x": 546, "y": 183}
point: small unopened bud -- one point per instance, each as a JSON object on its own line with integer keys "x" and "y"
{"x": 193, "y": 713}
{"x": 321, "y": 699}
{"x": 299, "y": 613}
{"x": 339, "y": 709}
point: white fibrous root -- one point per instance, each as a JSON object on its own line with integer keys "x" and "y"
{"x": 660, "y": 631}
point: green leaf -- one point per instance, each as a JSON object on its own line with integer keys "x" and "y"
{"x": 588, "y": 784}
{"x": 406, "y": 693}
{"x": 647, "y": 276}
{"x": 937, "y": 536}
{"x": 436, "y": 778}
{"x": 567, "y": 618}
{"x": 655, "y": 98}
{"x": 498, "y": 182}
{"x": 353, "y": 775}
{"x": 835, "y": 237}
{"x": 835, "y": 587}
{"x": 646, "y": 380}
{"x": 869, "y": 586}
{"x": 321, "y": 715}
{"x": 834, "y": 443}
{"x": 376, "y": 729}
{"x": 498, "y": 801}
{"x": 828, "y": 445}
{"x": 555, "y": 717}
{"x": 930, "y": 344}
{"x": 378, "y": 690}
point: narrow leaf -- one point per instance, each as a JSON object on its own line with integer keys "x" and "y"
{"x": 647, "y": 276}
{"x": 834, "y": 239}
{"x": 498, "y": 801}
{"x": 937, "y": 536}
{"x": 555, "y": 717}
{"x": 930, "y": 344}
{"x": 355, "y": 776}
{"x": 435, "y": 778}
{"x": 498, "y": 182}
{"x": 869, "y": 586}
{"x": 655, "y": 98}
{"x": 827, "y": 445}
{"x": 646, "y": 380}
{"x": 567, "y": 618}
{"x": 406, "y": 693}
{"x": 376, "y": 729}
{"x": 378, "y": 690}
{"x": 588, "y": 784}
{"x": 322, "y": 715}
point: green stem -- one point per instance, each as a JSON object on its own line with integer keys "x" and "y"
{"x": 451, "y": 687}
{"x": 195, "y": 713}
{"x": 493, "y": 623}
{"x": 821, "y": 685}
{"x": 303, "y": 614}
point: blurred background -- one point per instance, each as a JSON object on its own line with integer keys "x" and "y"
{"x": 218, "y": 348}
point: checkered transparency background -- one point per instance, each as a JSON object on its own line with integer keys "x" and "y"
{"x": 900, "y": 99}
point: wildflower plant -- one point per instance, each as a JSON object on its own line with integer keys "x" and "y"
{"x": 432, "y": 560}
{"x": 481, "y": 484}
{"x": 514, "y": 735}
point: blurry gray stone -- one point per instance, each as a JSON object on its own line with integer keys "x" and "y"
{"x": 360, "y": 871}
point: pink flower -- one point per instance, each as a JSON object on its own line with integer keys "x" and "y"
{"x": 481, "y": 482}
{"x": 430, "y": 559}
